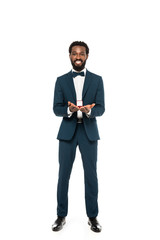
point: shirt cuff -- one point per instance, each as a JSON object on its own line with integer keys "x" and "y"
{"x": 89, "y": 113}
{"x": 69, "y": 112}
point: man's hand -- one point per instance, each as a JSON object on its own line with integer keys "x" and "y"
{"x": 72, "y": 107}
{"x": 87, "y": 108}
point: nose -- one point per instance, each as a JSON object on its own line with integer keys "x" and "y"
{"x": 78, "y": 56}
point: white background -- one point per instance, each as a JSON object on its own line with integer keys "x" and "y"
{"x": 124, "y": 41}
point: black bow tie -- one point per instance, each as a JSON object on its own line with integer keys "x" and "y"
{"x": 75, "y": 74}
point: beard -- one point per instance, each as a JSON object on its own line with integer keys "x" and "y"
{"x": 78, "y": 68}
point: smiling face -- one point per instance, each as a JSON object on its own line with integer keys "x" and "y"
{"x": 78, "y": 57}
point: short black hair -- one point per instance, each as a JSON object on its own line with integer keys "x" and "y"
{"x": 79, "y": 43}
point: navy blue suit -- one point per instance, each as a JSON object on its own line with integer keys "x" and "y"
{"x": 72, "y": 134}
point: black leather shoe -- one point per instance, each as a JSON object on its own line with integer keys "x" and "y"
{"x": 58, "y": 224}
{"x": 95, "y": 226}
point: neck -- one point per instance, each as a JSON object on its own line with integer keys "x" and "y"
{"x": 78, "y": 70}
{"x": 74, "y": 70}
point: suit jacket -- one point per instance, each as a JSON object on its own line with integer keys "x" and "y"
{"x": 93, "y": 92}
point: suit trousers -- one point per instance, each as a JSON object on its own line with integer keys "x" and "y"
{"x": 67, "y": 151}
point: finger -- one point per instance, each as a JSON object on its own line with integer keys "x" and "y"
{"x": 74, "y": 108}
{"x": 93, "y": 104}
{"x": 82, "y": 109}
{"x": 72, "y": 104}
{"x": 69, "y": 103}
{"x": 87, "y": 109}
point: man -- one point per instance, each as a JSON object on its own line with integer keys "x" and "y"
{"x": 79, "y": 99}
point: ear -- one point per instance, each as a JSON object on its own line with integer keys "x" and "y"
{"x": 87, "y": 56}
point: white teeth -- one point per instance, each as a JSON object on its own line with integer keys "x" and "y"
{"x": 78, "y": 62}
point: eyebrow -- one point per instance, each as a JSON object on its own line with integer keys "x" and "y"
{"x": 76, "y": 52}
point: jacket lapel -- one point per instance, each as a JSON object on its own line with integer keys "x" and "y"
{"x": 71, "y": 85}
{"x": 86, "y": 83}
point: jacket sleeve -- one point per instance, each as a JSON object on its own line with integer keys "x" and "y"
{"x": 99, "y": 107}
{"x": 59, "y": 105}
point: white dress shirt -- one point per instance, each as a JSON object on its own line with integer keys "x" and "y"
{"x": 78, "y": 84}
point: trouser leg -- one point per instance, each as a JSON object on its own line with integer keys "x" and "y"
{"x": 88, "y": 151}
{"x": 67, "y": 151}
